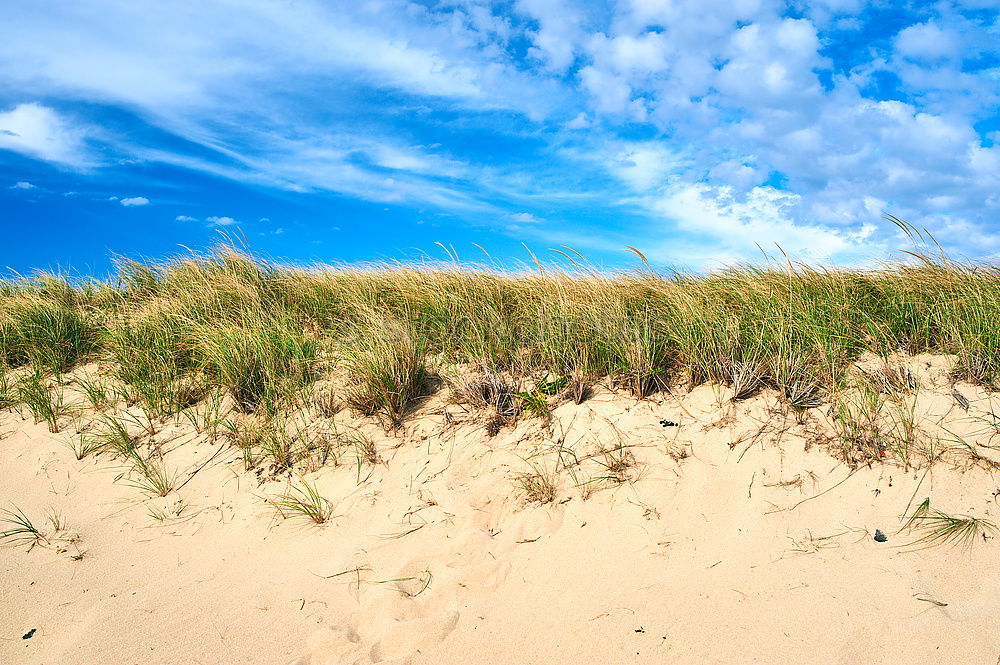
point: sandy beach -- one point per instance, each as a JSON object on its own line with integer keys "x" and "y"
{"x": 681, "y": 528}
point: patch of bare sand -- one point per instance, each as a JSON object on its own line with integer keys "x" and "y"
{"x": 737, "y": 536}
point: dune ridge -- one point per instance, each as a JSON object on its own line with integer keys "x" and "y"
{"x": 737, "y": 532}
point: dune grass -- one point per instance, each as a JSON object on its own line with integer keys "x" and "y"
{"x": 46, "y": 403}
{"x": 19, "y": 529}
{"x": 302, "y": 500}
{"x": 936, "y": 527}
{"x": 259, "y": 333}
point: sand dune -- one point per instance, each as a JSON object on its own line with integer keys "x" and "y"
{"x": 739, "y": 535}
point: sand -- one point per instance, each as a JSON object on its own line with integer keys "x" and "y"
{"x": 738, "y": 536}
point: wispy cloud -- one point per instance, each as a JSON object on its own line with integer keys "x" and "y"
{"x": 222, "y": 221}
{"x": 134, "y": 201}
{"x": 39, "y": 131}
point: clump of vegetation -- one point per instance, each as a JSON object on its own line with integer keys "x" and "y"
{"x": 937, "y": 527}
{"x": 387, "y": 364}
{"x": 150, "y": 474}
{"x": 617, "y": 462}
{"x": 46, "y": 323}
{"x": 264, "y": 441}
{"x": 538, "y": 484}
{"x": 176, "y": 330}
{"x": 99, "y": 394}
{"x": 20, "y": 529}
{"x": 46, "y": 403}
{"x": 8, "y": 391}
{"x": 262, "y": 361}
{"x": 302, "y": 501}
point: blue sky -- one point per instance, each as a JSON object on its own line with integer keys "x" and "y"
{"x": 695, "y": 130}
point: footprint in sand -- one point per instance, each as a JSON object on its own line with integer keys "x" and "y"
{"x": 334, "y": 645}
{"x": 407, "y": 637}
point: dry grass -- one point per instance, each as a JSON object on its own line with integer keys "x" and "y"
{"x": 261, "y": 334}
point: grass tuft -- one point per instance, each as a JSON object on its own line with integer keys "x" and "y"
{"x": 938, "y": 527}
{"x": 46, "y": 403}
{"x": 302, "y": 501}
{"x": 386, "y": 363}
{"x": 20, "y": 529}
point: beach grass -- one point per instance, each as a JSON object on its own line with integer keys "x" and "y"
{"x": 262, "y": 333}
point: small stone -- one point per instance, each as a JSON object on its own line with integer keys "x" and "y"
{"x": 28, "y": 635}
{"x": 668, "y": 423}
{"x": 880, "y": 537}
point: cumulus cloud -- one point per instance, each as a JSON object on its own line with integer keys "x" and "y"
{"x": 184, "y": 218}
{"x": 22, "y": 184}
{"x": 928, "y": 41}
{"x": 736, "y": 223}
{"x": 39, "y": 131}
{"x": 524, "y": 218}
{"x": 134, "y": 201}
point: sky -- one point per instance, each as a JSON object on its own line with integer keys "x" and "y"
{"x": 703, "y": 132}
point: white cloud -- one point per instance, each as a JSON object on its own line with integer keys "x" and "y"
{"x": 611, "y": 94}
{"x": 21, "y": 184}
{"x": 41, "y": 132}
{"x": 645, "y": 166}
{"x": 928, "y": 41}
{"x": 726, "y": 96}
{"x": 772, "y": 64}
{"x": 134, "y": 201}
{"x": 222, "y": 221}
{"x": 581, "y": 121}
{"x": 559, "y": 31}
{"x": 737, "y": 226}
{"x": 184, "y": 218}
{"x": 524, "y": 218}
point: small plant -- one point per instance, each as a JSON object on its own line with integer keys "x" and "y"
{"x": 553, "y": 386}
{"x": 424, "y": 580}
{"x": 302, "y": 501}
{"x": 153, "y": 477}
{"x": 617, "y": 462}
{"x": 939, "y": 527}
{"x": 20, "y": 530}
{"x": 99, "y": 394}
{"x": 538, "y": 485}
{"x": 114, "y": 436}
{"x": 746, "y": 379}
{"x": 387, "y": 366}
{"x": 267, "y": 440}
{"x": 83, "y": 444}
{"x": 533, "y": 402}
{"x": 163, "y": 514}
{"x": 796, "y": 378}
{"x": 364, "y": 448}
{"x": 326, "y": 402}
{"x": 45, "y": 404}
{"x": 872, "y": 427}
{"x": 8, "y": 394}
{"x": 208, "y": 416}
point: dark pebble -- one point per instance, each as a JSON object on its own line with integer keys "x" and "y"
{"x": 668, "y": 423}
{"x": 879, "y": 536}
{"x": 28, "y": 635}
